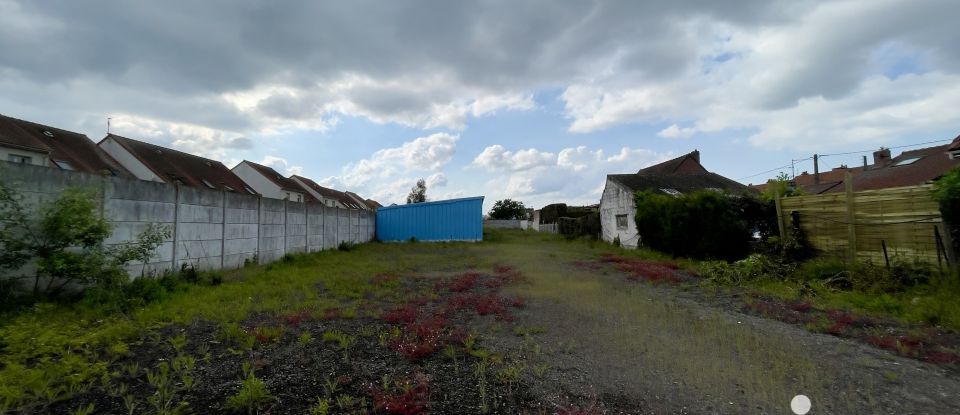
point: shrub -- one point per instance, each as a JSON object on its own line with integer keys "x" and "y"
{"x": 702, "y": 224}
{"x": 754, "y": 267}
{"x": 64, "y": 243}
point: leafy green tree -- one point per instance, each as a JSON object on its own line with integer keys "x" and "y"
{"x": 508, "y": 209}
{"x": 62, "y": 243}
{"x": 418, "y": 193}
{"x": 779, "y": 186}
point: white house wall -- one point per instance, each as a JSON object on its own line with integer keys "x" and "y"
{"x": 127, "y": 160}
{"x": 257, "y": 182}
{"x": 617, "y": 200}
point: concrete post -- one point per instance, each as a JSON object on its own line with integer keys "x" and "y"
{"x": 284, "y": 228}
{"x": 259, "y": 222}
{"x": 176, "y": 226}
{"x": 223, "y": 226}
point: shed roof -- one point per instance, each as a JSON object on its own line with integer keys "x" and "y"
{"x": 176, "y": 166}
{"x": 433, "y": 203}
{"x": 683, "y": 183}
{"x": 67, "y": 150}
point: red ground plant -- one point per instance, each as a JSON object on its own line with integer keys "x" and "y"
{"x": 413, "y": 398}
{"x": 404, "y": 314}
{"x": 295, "y": 318}
{"x": 464, "y": 282}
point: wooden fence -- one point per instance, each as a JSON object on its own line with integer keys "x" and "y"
{"x": 905, "y": 222}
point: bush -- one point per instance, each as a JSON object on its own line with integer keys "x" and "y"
{"x": 946, "y": 191}
{"x": 64, "y": 242}
{"x": 704, "y": 224}
{"x": 508, "y": 209}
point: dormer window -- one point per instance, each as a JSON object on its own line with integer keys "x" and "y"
{"x": 208, "y": 184}
{"x": 249, "y": 190}
{"x": 63, "y": 164}
{"x": 228, "y": 188}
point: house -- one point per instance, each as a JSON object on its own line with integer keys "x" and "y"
{"x": 160, "y": 164}
{"x": 811, "y": 184}
{"x": 910, "y": 168}
{"x": 329, "y": 197}
{"x": 373, "y": 204}
{"x": 266, "y": 181}
{"x": 40, "y": 145}
{"x": 681, "y": 175}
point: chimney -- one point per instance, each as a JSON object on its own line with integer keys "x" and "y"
{"x": 696, "y": 155}
{"x": 881, "y": 157}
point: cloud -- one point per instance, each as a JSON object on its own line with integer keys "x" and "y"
{"x": 389, "y": 173}
{"x": 280, "y": 164}
{"x": 248, "y": 69}
{"x": 573, "y": 175}
{"x": 495, "y": 158}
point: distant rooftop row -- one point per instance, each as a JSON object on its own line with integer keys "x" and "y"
{"x": 37, "y": 144}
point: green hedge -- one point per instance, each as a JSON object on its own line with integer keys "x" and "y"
{"x": 705, "y": 224}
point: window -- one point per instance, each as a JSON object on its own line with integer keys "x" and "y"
{"x": 621, "y": 222}
{"x": 20, "y": 159}
{"x": 208, "y": 184}
{"x": 63, "y": 164}
{"x": 228, "y": 188}
{"x": 299, "y": 198}
{"x": 671, "y": 192}
{"x": 907, "y": 161}
{"x": 249, "y": 190}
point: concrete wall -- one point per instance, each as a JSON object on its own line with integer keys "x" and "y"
{"x": 212, "y": 229}
{"x": 506, "y": 224}
{"x": 617, "y": 200}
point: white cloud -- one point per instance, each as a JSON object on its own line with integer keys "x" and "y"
{"x": 573, "y": 175}
{"x": 389, "y": 173}
{"x": 675, "y": 131}
{"x": 495, "y": 158}
{"x": 280, "y": 164}
{"x": 190, "y": 138}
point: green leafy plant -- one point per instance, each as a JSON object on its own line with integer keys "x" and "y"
{"x": 252, "y": 396}
{"x": 704, "y": 224}
{"x": 64, "y": 241}
{"x": 508, "y": 209}
{"x": 322, "y": 407}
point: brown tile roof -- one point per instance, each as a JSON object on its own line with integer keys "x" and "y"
{"x": 337, "y": 195}
{"x": 687, "y": 163}
{"x": 955, "y": 145}
{"x": 910, "y": 168}
{"x": 67, "y": 150}
{"x": 373, "y": 204}
{"x": 284, "y": 183}
{"x": 172, "y": 166}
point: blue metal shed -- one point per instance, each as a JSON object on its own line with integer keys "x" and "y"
{"x": 443, "y": 220}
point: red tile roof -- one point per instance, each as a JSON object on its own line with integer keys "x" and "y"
{"x": 337, "y": 195}
{"x": 67, "y": 150}
{"x": 173, "y": 166}
{"x": 910, "y": 168}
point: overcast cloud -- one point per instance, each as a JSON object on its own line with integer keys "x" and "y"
{"x": 207, "y": 76}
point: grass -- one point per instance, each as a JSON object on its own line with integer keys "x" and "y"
{"x": 52, "y": 352}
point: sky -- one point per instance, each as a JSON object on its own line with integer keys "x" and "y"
{"x": 530, "y": 100}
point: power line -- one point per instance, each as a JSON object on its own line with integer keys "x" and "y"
{"x": 889, "y": 148}
{"x": 842, "y": 154}
{"x": 776, "y": 168}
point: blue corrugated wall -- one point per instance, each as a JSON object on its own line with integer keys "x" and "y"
{"x": 443, "y": 220}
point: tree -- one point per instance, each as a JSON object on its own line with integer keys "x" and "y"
{"x": 418, "y": 193}
{"x": 508, "y": 209}
{"x": 63, "y": 243}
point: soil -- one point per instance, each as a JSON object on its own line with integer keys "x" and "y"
{"x": 401, "y": 346}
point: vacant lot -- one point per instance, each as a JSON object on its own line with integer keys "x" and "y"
{"x": 522, "y": 322}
